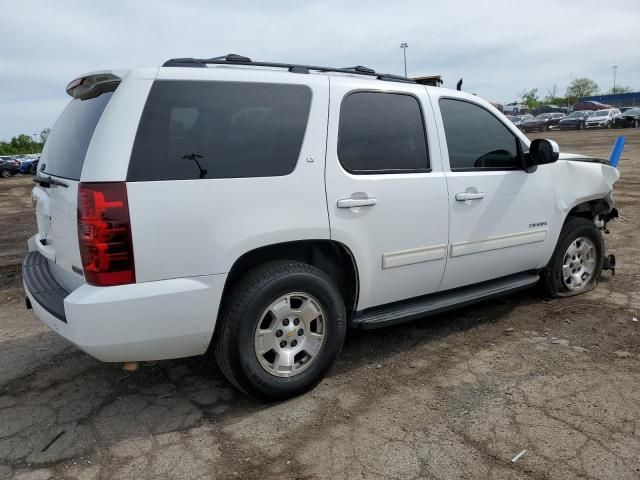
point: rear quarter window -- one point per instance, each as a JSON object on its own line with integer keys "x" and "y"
{"x": 193, "y": 130}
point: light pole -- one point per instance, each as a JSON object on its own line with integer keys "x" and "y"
{"x": 615, "y": 68}
{"x": 404, "y": 46}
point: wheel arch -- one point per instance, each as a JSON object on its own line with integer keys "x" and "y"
{"x": 590, "y": 209}
{"x": 333, "y": 258}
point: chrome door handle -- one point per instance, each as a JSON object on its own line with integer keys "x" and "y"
{"x": 357, "y": 202}
{"x": 464, "y": 196}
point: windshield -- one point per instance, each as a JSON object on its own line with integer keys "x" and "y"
{"x": 601, "y": 113}
{"x": 633, "y": 111}
{"x": 516, "y": 118}
{"x": 68, "y": 142}
{"x": 576, "y": 115}
{"x": 543, "y": 116}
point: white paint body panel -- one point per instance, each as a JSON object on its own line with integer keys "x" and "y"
{"x": 200, "y": 227}
{"x": 411, "y": 212}
{"x": 417, "y": 239}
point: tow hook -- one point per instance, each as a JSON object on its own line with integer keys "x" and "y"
{"x": 610, "y": 264}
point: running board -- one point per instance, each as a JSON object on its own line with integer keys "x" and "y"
{"x": 406, "y": 310}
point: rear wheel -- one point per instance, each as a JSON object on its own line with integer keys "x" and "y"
{"x": 577, "y": 261}
{"x": 281, "y": 330}
{"x": 5, "y": 173}
{"x": 32, "y": 169}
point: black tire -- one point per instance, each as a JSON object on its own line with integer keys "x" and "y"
{"x": 234, "y": 339}
{"x": 5, "y": 173}
{"x": 581, "y": 126}
{"x": 32, "y": 169}
{"x": 551, "y": 278}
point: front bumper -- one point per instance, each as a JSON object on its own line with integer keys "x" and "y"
{"x": 141, "y": 321}
{"x": 596, "y": 124}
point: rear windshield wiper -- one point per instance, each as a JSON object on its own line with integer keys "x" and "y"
{"x": 46, "y": 182}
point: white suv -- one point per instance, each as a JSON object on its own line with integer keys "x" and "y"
{"x": 513, "y": 108}
{"x": 256, "y": 210}
{"x": 602, "y": 118}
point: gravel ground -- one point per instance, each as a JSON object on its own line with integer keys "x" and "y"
{"x": 454, "y": 396}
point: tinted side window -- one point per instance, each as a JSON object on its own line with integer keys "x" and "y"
{"x": 382, "y": 133}
{"x": 192, "y": 130}
{"x": 477, "y": 139}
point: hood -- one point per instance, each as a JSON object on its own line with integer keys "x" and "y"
{"x": 609, "y": 174}
{"x": 598, "y": 117}
{"x": 580, "y": 158}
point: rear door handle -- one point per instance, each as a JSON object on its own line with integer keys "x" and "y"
{"x": 357, "y": 202}
{"x": 464, "y": 196}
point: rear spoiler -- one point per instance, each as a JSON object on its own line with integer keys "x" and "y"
{"x": 92, "y": 85}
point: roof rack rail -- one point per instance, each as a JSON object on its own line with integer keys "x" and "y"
{"x": 234, "y": 59}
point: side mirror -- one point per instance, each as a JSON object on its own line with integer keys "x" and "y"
{"x": 542, "y": 151}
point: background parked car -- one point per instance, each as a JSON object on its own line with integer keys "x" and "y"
{"x": 628, "y": 119}
{"x": 518, "y": 120}
{"x": 29, "y": 164}
{"x": 542, "y": 122}
{"x": 575, "y": 120}
{"x": 590, "y": 105}
{"x": 602, "y": 118}
{"x": 8, "y": 166}
{"x": 514, "y": 108}
{"x": 548, "y": 109}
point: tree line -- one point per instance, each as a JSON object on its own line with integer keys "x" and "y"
{"x": 579, "y": 87}
{"x": 24, "y": 144}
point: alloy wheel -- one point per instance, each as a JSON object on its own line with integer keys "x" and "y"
{"x": 579, "y": 263}
{"x": 290, "y": 334}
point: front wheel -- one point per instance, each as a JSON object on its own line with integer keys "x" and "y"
{"x": 281, "y": 330}
{"x": 5, "y": 173}
{"x": 577, "y": 260}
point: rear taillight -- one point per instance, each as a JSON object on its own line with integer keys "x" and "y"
{"x": 104, "y": 233}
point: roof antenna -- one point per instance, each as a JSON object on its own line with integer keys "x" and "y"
{"x": 459, "y": 85}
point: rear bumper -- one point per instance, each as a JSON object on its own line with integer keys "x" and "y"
{"x": 141, "y": 321}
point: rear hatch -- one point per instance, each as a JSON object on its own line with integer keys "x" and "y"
{"x": 59, "y": 172}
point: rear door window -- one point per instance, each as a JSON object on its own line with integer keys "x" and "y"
{"x": 193, "y": 130}
{"x": 382, "y": 133}
{"x": 67, "y": 144}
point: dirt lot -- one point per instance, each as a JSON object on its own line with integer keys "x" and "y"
{"x": 456, "y": 396}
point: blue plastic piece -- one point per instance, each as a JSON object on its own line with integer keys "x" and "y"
{"x": 617, "y": 151}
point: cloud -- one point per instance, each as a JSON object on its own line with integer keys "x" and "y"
{"x": 499, "y": 47}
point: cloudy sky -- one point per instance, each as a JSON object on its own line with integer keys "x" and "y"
{"x": 499, "y": 47}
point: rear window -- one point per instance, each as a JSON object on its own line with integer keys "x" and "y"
{"x": 67, "y": 144}
{"x": 192, "y": 129}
